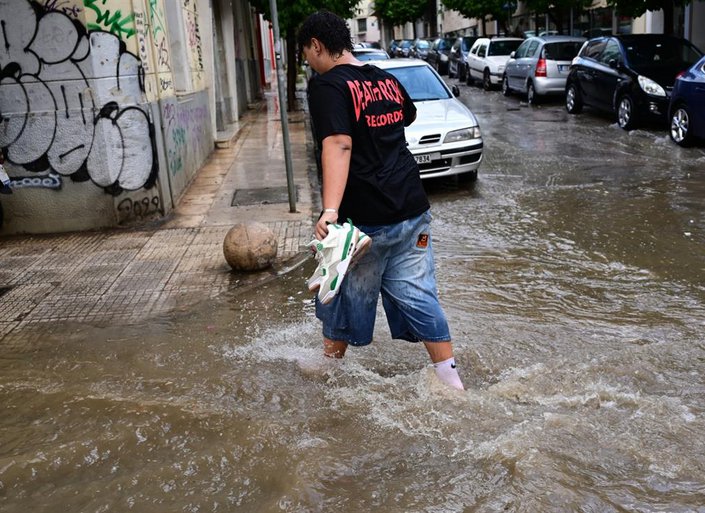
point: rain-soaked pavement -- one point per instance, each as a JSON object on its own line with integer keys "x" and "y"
{"x": 573, "y": 275}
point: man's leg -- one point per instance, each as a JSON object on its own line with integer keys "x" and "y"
{"x": 334, "y": 348}
{"x": 441, "y": 354}
{"x": 439, "y": 351}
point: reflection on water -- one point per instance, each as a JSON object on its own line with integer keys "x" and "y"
{"x": 577, "y": 308}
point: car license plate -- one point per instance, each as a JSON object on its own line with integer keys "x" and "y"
{"x": 423, "y": 159}
{"x": 563, "y": 67}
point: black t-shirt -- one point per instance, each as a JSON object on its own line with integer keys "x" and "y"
{"x": 372, "y": 107}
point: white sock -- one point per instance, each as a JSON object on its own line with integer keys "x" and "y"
{"x": 448, "y": 374}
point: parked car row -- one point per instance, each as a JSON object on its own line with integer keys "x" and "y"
{"x": 435, "y": 51}
{"x": 638, "y": 78}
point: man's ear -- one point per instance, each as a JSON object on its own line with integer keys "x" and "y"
{"x": 316, "y": 45}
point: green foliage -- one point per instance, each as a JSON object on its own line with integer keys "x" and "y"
{"x": 398, "y": 12}
{"x": 292, "y": 13}
{"x": 545, "y": 6}
{"x": 495, "y": 9}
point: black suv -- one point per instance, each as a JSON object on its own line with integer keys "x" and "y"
{"x": 630, "y": 75}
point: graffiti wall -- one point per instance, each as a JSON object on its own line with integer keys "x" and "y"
{"x": 188, "y": 137}
{"x": 78, "y": 79}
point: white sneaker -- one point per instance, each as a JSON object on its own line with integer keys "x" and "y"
{"x": 342, "y": 246}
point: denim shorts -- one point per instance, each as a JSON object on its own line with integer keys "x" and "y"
{"x": 399, "y": 265}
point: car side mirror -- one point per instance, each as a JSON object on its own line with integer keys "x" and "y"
{"x": 455, "y": 90}
{"x": 511, "y": 55}
{"x": 614, "y": 63}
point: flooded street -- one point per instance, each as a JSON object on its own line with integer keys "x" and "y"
{"x": 573, "y": 276}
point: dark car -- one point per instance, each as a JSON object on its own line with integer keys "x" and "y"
{"x": 687, "y": 109}
{"x": 403, "y": 49}
{"x": 458, "y": 57}
{"x": 630, "y": 75}
{"x": 392, "y": 48}
{"x": 420, "y": 48}
{"x": 438, "y": 54}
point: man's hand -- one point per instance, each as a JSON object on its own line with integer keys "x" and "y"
{"x": 322, "y": 224}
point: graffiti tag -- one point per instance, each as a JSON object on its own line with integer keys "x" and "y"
{"x": 51, "y": 181}
{"x": 121, "y": 25}
{"x": 136, "y": 208}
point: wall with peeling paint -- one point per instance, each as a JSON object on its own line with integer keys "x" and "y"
{"x": 99, "y": 101}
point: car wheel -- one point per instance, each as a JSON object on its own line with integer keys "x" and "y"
{"x": 573, "y": 101}
{"x": 531, "y": 95}
{"x": 626, "y": 113}
{"x": 486, "y": 82}
{"x": 680, "y": 126}
{"x": 505, "y": 86}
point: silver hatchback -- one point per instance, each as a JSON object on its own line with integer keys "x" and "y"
{"x": 539, "y": 67}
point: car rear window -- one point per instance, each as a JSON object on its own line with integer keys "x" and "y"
{"x": 503, "y": 47}
{"x": 564, "y": 51}
{"x": 421, "y": 83}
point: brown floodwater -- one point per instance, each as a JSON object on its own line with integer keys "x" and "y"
{"x": 573, "y": 277}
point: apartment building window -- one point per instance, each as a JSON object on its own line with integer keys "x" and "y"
{"x": 361, "y": 25}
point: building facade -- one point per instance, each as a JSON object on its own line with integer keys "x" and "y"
{"x": 364, "y": 27}
{"x": 110, "y": 107}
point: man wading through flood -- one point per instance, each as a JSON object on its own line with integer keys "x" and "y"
{"x": 371, "y": 179}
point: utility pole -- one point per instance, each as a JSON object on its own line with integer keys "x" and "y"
{"x": 281, "y": 86}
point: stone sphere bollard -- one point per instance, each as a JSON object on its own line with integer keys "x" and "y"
{"x": 250, "y": 246}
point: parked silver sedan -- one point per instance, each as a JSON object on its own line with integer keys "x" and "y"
{"x": 445, "y": 139}
{"x": 539, "y": 67}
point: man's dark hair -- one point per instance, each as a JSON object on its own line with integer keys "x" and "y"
{"x": 330, "y": 29}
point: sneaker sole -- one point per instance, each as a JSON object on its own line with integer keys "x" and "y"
{"x": 362, "y": 247}
{"x": 342, "y": 269}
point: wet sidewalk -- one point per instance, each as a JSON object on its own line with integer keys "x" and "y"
{"x": 125, "y": 275}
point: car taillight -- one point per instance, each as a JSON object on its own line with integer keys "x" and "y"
{"x": 679, "y": 75}
{"x": 540, "y": 68}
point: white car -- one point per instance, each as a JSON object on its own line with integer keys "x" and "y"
{"x": 487, "y": 59}
{"x": 445, "y": 139}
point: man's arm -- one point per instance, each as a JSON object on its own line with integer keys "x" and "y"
{"x": 335, "y": 161}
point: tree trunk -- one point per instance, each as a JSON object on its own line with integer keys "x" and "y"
{"x": 668, "y": 18}
{"x": 291, "y": 72}
{"x": 557, "y": 18}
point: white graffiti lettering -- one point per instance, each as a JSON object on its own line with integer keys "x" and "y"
{"x": 72, "y": 100}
